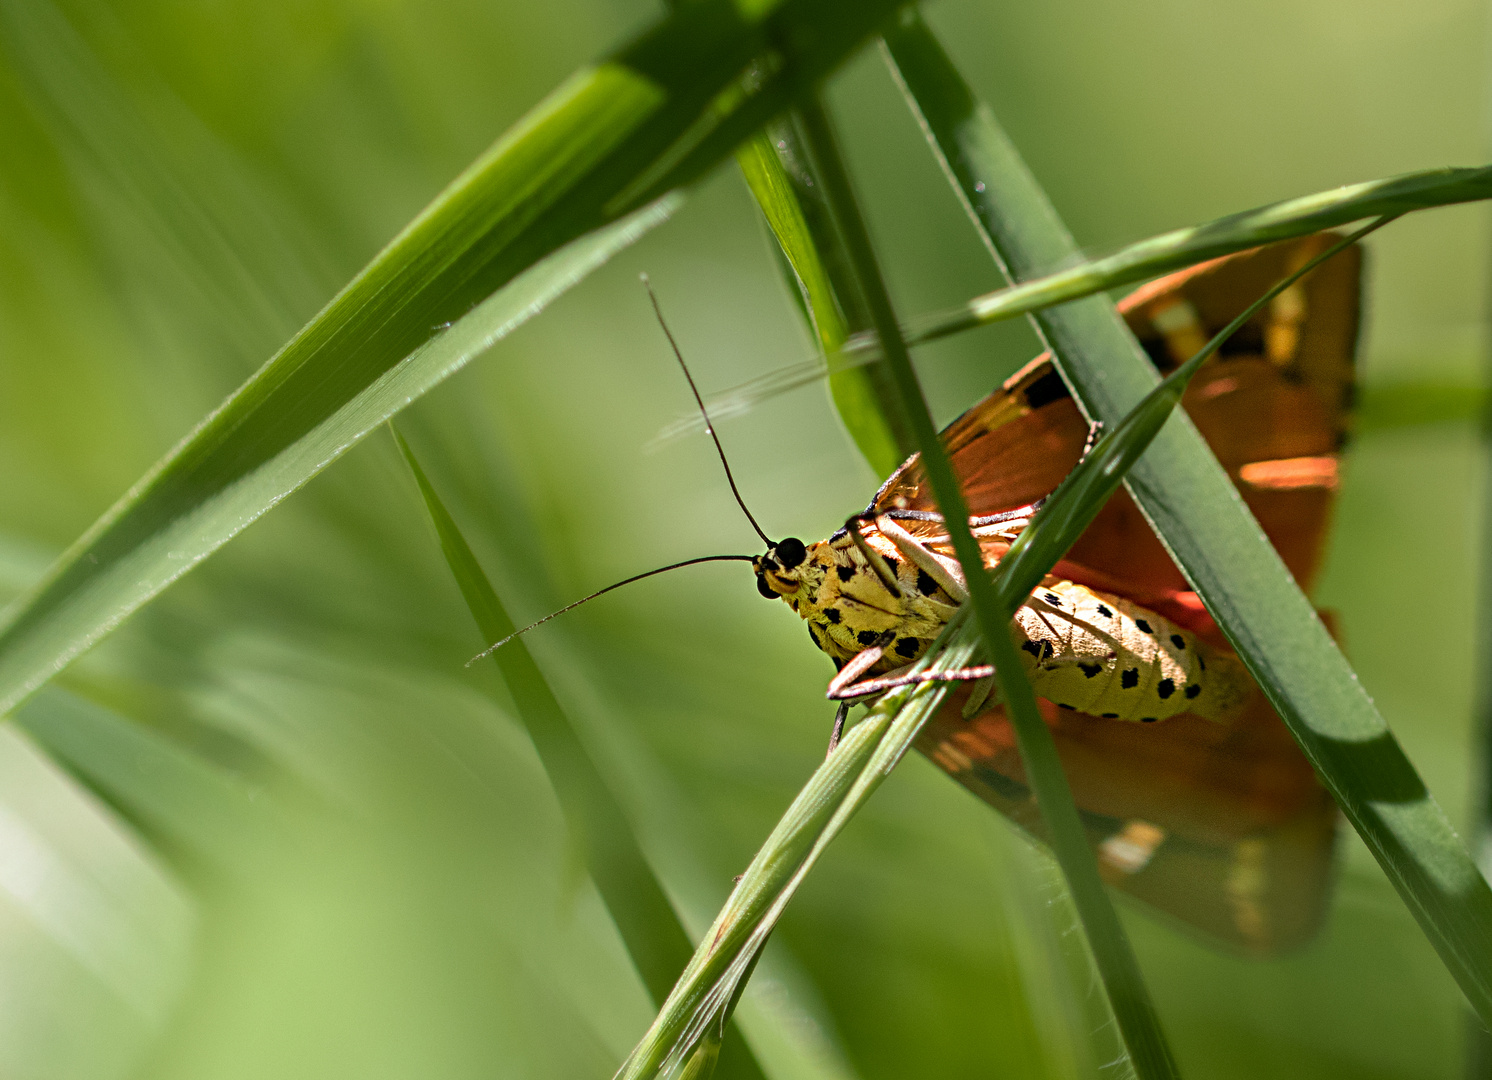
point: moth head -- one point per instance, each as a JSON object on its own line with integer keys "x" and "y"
{"x": 776, "y": 574}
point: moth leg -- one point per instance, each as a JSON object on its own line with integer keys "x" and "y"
{"x": 873, "y": 557}
{"x": 862, "y": 662}
{"x": 904, "y": 678}
{"x": 1007, "y": 524}
{"x": 1005, "y": 530}
{"x": 944, "y": 571}
{"x": 1020, "y": 515}
{"x": 839, "y": 717}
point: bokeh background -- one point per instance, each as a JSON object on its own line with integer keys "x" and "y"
{"x": 274, "y": 828}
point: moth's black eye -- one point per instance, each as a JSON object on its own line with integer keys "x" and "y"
{"x": 765, "y": 589}
{"x": 790, "y": 552}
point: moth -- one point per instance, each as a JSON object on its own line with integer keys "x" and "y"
{"x": 1195, "y": 796}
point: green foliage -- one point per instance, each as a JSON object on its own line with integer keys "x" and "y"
{"x": 272, "y": 826}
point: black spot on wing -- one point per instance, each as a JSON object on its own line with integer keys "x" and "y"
{"x": 925, "y": 583}
{"x": 1192, "y": 691}
{"x": 1090, "y": 670}
{"x": 1201, "y": 662}
{"x": 1052, "y": 598}
{"x": 813, "y": 633}
{"x": 1103, "y": 609}
{"x": 845, "y": 572}
{"x": 1144, "y": 627}
{"x": 1047, "y": 389}
{"x": 1147, "y": 719}
{"x": 1165, "y": 688}
{"x": 1042, "y": 650}
{"x": 1130, "y": 678}
{"x": 1111, "y": 716}
{"x": 1072, "y": 708}
{"x": 908, "y": 647}
{"x": 867, "y": 637}
{"x": 1178, "y": 641}
{"x": 832, "y": 614}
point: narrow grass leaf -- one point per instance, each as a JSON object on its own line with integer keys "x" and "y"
{"x": 1137, "y": 262}
{"x": 1128, "y": 995}
{"x": 1196, "y": 243}
{"x": 780, "y": 176}
{"x": 1192, "y": 505}
{"x": 582, "y": 175}
{"x": 838, "y": 788}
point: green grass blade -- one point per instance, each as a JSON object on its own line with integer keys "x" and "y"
{"x": 1059, "y": 523}
{"x": 1130, "y": 998}
{"x": 652, "y": 932}
{"x": 780, "y": 176}
{"x": 649, "y": 927}
{"x": 577, "y": 178}
{"x": 1137, "y": 262}
{"x": 1196, "y": 243}
{"x": 837, "y": 789}
{"x": 1194, "y": 508}
{"x": 224, "y": 475}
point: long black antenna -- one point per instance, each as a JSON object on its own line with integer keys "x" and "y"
{"x": 709, "y": 428}
{"x": 602, "y": 592}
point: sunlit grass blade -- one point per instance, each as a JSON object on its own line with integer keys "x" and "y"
{"x": 780, "y": 175}
{"x": 839, "y": 787}
{"x": 1128, "y": 995}
{"x": 1195, "y": 509}
{"x": 649, "y": 927}
{"x": 572, "y": 182}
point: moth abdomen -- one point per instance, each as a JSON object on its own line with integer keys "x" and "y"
{"x": 1110, "y": 657}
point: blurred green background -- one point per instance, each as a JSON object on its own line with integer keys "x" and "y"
{"x": 274, "y": 828}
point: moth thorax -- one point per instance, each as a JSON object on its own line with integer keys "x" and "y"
{"x": 849, "y": 606}
{"x": 1109, "y": 657}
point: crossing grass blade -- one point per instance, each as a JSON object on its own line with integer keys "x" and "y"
{"x": 586, "y": 172}
{"x": 1137, "y": 262}
{"x": 1193, "y": 507}
{"x": 1197, "y": 243}
{"x": 781, "y": 177}
{"x": 1135, "y": 1013}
